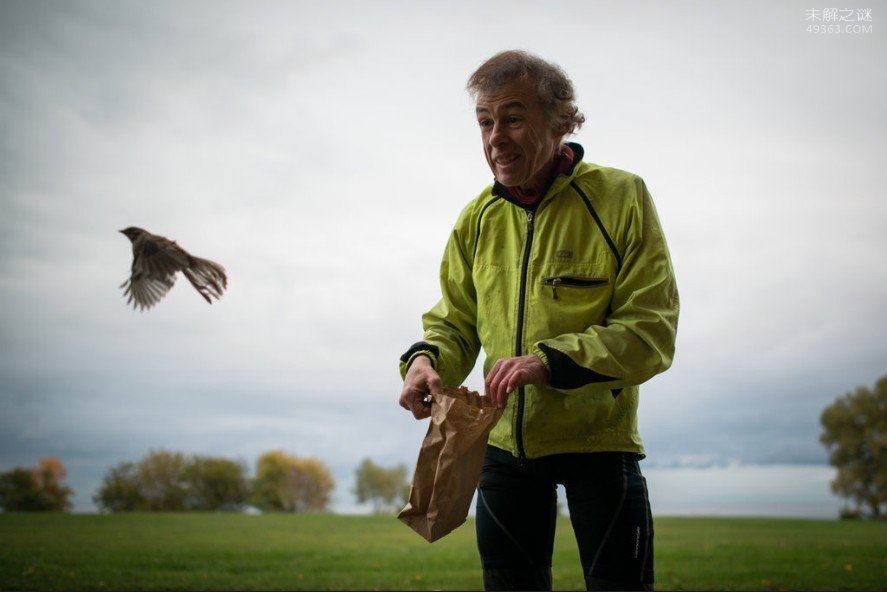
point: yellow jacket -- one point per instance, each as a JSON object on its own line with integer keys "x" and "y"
{"x": 584, "y": 281}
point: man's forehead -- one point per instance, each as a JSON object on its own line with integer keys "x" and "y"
{"x": 513, "y": 95}
{"x": 486, "y": 107}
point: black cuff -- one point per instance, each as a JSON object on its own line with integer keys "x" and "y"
{"x": 565, "y": 373}
{"x": 420, "y": 347}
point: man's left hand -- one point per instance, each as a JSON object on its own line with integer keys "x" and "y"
{"x": 509, "y": 374}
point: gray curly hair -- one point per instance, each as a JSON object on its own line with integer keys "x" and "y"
{"x": 554, "y": 89}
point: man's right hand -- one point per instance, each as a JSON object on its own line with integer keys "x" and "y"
{"x": 420, "y": 381}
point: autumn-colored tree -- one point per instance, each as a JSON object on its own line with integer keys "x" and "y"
{"x": 50, "y": 475}
{"x": 855, "y": 434}
{"x": 387, "y": 488}
{"x": 289, "y": 483}
{"x": 36, "y": 489}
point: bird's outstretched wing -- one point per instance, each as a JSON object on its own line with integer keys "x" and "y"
{"x": 144, "y": 292}
{"x": 154, "y": 265}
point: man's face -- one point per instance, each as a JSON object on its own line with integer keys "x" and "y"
{"x": 519, "y": 142}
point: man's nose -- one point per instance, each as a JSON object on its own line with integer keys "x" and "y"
{"x": 497, "y": 134}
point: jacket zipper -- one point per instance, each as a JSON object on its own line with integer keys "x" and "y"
{"x": 573, "y": 282}
{"x": 519, "y": 335}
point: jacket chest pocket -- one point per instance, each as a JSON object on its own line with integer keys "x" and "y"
{"x": 565, "y": 285}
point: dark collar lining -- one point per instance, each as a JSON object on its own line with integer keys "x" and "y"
{"x": 501, "y": 191}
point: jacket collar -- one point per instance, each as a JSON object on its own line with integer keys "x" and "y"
{"x": 501, "y": 190}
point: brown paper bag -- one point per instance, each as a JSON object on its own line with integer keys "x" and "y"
{"x": 450, "y": 461}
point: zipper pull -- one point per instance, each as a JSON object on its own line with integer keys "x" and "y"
{"x": 554, "y": 285}
{"x": 530, "y": 219}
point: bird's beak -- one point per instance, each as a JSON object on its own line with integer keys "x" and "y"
{"x": 121, "y": 232}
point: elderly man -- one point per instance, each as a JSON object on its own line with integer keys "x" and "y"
{"x": 559, "y": 270}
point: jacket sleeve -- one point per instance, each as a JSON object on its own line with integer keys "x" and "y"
{"x": 450, "y": 337}
{"x": 637, "y": 340}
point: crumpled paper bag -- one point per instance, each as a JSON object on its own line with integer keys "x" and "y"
{"x": 450, "y": 461}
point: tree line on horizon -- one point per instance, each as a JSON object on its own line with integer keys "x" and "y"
{"x": 171, "y": 481}
{"x": 854, "y": 434}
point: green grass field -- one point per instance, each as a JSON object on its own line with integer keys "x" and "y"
{"x": 327, "y": 552}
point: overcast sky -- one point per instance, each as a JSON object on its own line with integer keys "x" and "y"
{"x": 322, "y": 151}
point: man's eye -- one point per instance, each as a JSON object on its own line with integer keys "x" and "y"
{"x": 484, "y": 123}
{"x": 514, "y": 120}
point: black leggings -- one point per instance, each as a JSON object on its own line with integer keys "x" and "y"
{"x": 609, "y": 510}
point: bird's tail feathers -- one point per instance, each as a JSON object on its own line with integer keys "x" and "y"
{"x": 207, "y": 277}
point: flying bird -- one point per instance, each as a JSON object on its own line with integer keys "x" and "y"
{"x": 155, "y": 262}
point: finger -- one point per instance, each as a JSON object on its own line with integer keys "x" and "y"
{"x": 420, "y": 411}
{"x": 409, "y": 397}
{"x": 516, "y": 379}
{"x": 406, "y": 399}
{"x": 434, "y": 384}
{"x": 498, "y": 392}
{"x": 491, "y": 381}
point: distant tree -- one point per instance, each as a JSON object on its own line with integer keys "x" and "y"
{"x": 161, "y": 478}
{"x": 387, "y": 488}
{"x": 18, "y": 491}
{"x": 287, "y": 483}
{"x": 171, "y": 481}
{"x": 120, "y": 490}
{"x": 50, "y": 475}
{"x": 215, "y": 484}
{"x": 36, "y": 489}
{"x": 855, "y": 434}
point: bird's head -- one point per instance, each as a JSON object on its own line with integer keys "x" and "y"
{"x": 132, "y": 232}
